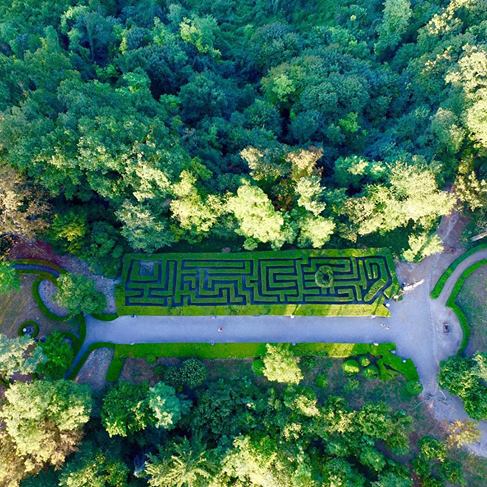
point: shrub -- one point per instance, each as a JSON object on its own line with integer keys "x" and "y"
{"x": 413, "y": 387}
{"x": 351, "y": 367}
{"x": 193, "y": 372}
{"x": 281, "y": 365}
{"x": 322, "y": 380}
{"x": 351, "y": 385}
{"x": 59, "y": 354}
{"x": 258, "y": 367}
{"x": 324, "y": 277}
{"x": 371, "y": 372}
{"x": 77, "y": 293}
{"x": 9, "y": 279}
{"x": 364, "y": 361}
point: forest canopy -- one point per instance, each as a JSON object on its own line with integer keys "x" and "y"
{"x": 149, "y": 123}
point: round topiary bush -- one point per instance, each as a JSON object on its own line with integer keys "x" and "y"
{"x": 324, "y": 276}
{"x": 364, "y": 361}
{"x": 322, "y": 380}
{"x": 351, "y": 367}
{"x": 371, "y": 372}
{"x": 193, "y": 372}
{"x": 28, "y": 325}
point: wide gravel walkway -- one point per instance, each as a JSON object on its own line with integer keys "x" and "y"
{"x": 415, "y": 326}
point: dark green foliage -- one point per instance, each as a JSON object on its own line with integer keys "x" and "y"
{"x": 9, "y": 280}
{"x": 191, "y": 373}
{"x": 466, "y": 378}
{"x": 77, "y": 293}
{"x": 370, "y": 272}
{"x": 59, "y": 354}
{"x": 110, "y": 106}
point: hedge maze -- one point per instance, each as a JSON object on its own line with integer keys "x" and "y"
{"x": 282, "y": 282}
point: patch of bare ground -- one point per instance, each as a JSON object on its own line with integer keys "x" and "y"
{"x": 19, "y": 306}
{"x": 94, "y": 370}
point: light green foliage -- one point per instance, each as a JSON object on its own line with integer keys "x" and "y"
{"x": 58, "y": 354}
{"x": 466, "y": 378}
{"x": 143, "y": 228}
{"x": 69, "y": 229}
{"x": 78, "y": 294}
{"x": 411, "y": 195}
{"x": 44, "y": 420}
{"x": 92, "y": 467}
{"x": 125, "y": 410}
{"x": 351, "y": 367}
{"x": 195, "y": 212}
{"x": 19, "y": 355}
{"x": 394, "y": 23}
{"x": 200, "y": 32}
{"x": 9, "y": 279}
{"x": 281, "y": 365}
{"x": 180, "y": 464}
{"x": 422, "y": 245}
{"x": 256, "y": 217}
{"x": 165, "y": 406}
{"x": 315, "y": 231}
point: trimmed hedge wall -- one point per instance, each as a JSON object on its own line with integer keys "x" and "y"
{"x": 436, "y": 291}
{"x": 257, "y": 283}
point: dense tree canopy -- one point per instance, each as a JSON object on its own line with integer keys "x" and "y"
{"x": 269, "y": 123}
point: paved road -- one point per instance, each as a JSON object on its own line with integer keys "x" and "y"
{"x": 415, "y": 326}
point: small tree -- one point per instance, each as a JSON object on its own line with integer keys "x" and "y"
{"x": 43, "y": 420}
{"x": 59, "y": 355}
{"x": 125, "y": 410}
{"x": 461, "y": 433}
{"x": 165, "y": 407}
{"x": 77, "y": 293}
{"x": 18, "y": 355}
{"x": 281, "y": 365}
{"x": 9, "y": 279}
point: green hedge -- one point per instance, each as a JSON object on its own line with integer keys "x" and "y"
{"x": 25, "y": 324}
{"x": 388, "y": 363}
{"x": 40, "y": 303}
{"x": 290, "y": 278}
{"x": 436, "y": 291}
{"x": 451, "y": 302}
{"x": 105, "y": 316}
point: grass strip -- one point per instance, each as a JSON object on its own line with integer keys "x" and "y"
{"x": 440, "y": 284}
{"x": 451, "y": 302}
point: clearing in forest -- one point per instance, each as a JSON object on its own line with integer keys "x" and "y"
{"x": 303, "y": 282}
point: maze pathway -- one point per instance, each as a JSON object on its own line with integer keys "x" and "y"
{"x": 281, "y": 282}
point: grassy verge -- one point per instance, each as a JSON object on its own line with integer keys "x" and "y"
{"x": 451, "y": 302}
{"x": 436, "y": 291}
{"x": 387, "y": 361}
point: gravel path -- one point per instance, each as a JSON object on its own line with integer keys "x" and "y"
{"x": 47, "y": 290}
{"x": 415, "y": 326}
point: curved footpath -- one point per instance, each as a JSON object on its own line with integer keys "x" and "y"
{"x": 415, "y": 326}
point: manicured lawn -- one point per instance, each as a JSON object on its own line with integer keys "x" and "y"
{"x": 472, "y": 300}
{"x": 258, "y": 283}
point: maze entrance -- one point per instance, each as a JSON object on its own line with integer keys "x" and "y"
{"x": 321, "y": 282}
